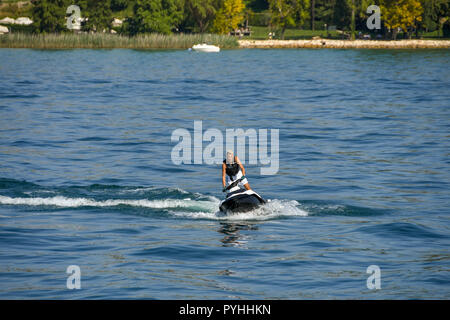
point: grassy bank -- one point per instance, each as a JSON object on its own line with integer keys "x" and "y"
{"x": 184, "y": 41}
{"x": 109, "y": 41}
{"x": 261, "y": 33}
{"x": 346, "y": 44}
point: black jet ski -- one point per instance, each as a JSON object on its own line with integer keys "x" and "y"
{"x": 240, "y": 200}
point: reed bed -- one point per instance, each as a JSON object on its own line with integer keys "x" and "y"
{"x": 109, "y": 41}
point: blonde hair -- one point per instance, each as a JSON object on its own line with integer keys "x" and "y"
{"x": 230, "y": 157}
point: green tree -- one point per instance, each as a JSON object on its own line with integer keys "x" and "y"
{"x": 353, "y": 20}
{"x": 435, "y": 14}
{"x": 361, "y": 9}
{"x": 284, "y": 13}
{"x": 98, "y": 14}
{"x": 342, "y": 14}
{"x": 201, "y": 13}
{"x": 402, "y": 14}
{"x": 119, "y": 5}
{"x": 161, "y": 16}
{"x": 49, "y": 15}
{"x": 257, "y": 5}
{"x": 229, "y": 16}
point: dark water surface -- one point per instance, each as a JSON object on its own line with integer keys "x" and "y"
{"x": 86, "y": 176}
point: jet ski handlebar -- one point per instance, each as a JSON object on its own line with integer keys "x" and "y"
{"x": 233, "y": 184}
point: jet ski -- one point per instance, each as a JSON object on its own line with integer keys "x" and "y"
{"x": 240, "y": 200}
{"x": 205, "y": 48}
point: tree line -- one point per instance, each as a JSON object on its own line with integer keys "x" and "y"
{"x": 223, "y": 16}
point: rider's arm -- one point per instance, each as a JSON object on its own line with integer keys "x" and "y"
{"x": 240, "y": 165}
{"x": 224, "y": 168}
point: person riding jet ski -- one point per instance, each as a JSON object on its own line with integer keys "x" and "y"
{"x": 233, "y": 179}
{"x": 232, "y": 169}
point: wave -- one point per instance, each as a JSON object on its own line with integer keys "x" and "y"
{"x": 319, "y": 208}
{"x": 401, "y": 230}
{"x": 60, "y": 201}
{"x": 190, "y": 208}
{"x": 273, "y": 209}
{"x": 154, "y": 201}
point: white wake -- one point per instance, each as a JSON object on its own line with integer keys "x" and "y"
{"x": 184, "y": 208}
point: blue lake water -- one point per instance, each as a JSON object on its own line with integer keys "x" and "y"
{"x": 86, "y": 176}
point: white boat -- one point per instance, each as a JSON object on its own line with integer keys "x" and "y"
{"x": 7, "y": 20}
{"x": 24, "y": 21}
{"x": 3, "y": 30}
{"x": 205, "y": 48}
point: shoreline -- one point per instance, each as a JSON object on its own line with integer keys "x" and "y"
{"x": 186, "y": 41}
{"x": 112, "y": 41}
{"x": 345, "y": 44}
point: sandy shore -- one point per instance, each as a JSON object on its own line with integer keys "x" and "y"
{"x": 345, "y": 44}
